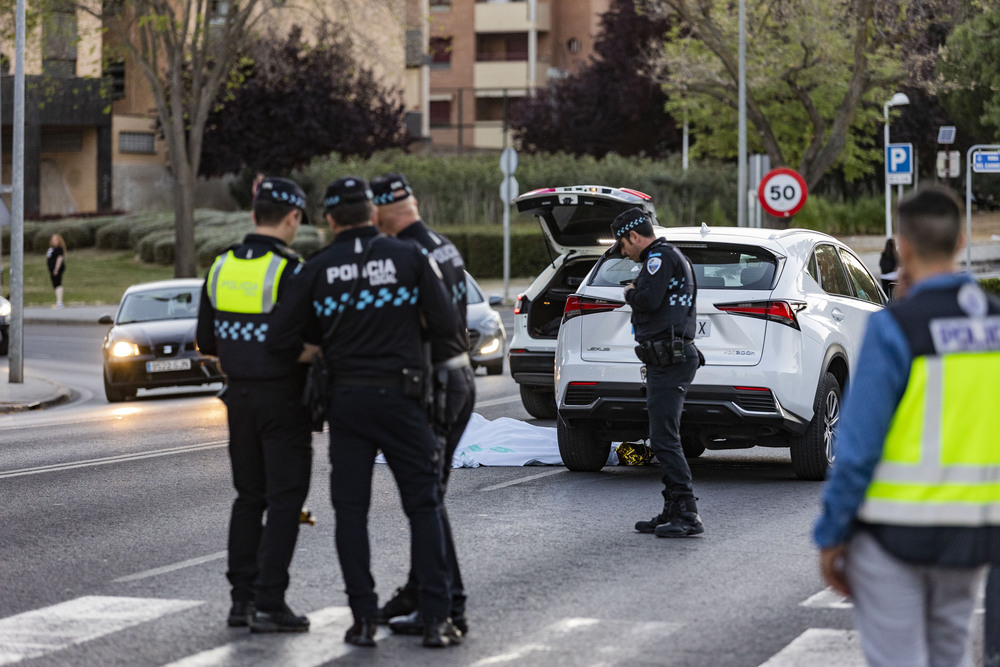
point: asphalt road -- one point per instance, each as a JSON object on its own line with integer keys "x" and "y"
{"x": 113, "y": 527}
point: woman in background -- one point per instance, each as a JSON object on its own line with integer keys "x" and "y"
{"x": 888, "y": 264}
{"x": 55, "y": 257}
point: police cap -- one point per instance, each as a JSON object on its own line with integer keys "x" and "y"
{"x": 634, "y": 219}
{"x": 390, "y": 188}
{"x": 282, "y": 191}
{"x": 346, "y": 190}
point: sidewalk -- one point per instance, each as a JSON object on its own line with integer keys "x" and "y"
{"x": 36, "y": 393}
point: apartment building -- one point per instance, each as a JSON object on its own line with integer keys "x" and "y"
{"x": 486, "y": 54}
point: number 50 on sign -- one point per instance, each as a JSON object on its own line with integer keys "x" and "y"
{"x": 782, "y": 192}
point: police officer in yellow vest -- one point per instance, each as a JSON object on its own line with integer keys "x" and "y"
{"x": 270, "y": 440}
{"x": 911, "y": 512}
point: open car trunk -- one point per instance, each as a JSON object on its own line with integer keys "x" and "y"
{"x": 545, "y": 314}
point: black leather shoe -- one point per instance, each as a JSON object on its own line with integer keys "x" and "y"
{"x": 411, "y": 624}
{"x": 362, "y": 633}
{"x": 282, "y": 620}
{"x": 441, "y": 633}
{"x": 240, "y": 614}
{"x": 461, "y": 624}
{"x": 670, "y": 510}
{"x": 402, "y": 603}
{"x": 685, "y": 524}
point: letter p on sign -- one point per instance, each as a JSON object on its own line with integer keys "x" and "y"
{"x": 899, "y": 164}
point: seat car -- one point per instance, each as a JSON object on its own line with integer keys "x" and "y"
{"x": 152, "y": 341}
{"x": 487, "y": 336}
{"x": 4, "y": 325}
{"x": 576, "y": 221}
{"x": 781, "y": 315}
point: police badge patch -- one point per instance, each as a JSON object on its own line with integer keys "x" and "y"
{"x": 653, "y": 264}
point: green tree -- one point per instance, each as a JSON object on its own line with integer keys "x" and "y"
{"x": 969, "y": 79}
{"x": 817, "y": 72}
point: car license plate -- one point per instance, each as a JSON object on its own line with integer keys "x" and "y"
{"x": 168, "y": 365}
{"x": 704, "y": 329}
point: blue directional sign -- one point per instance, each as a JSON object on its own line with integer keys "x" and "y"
{"x": 899, "y": 164}
{"x": 986, "y": 162}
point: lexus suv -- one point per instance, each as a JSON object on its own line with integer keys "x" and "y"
{"x": 781, "y": 316}
{"x": 576, "y": 221}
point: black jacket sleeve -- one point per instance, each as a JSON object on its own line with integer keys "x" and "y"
{"x": 436, "y": 303}
{"x": 291, "y": 316}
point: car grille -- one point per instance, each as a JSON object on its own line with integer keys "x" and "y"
{"x": 579, "y": 394}
{"x": 755, "y": 400}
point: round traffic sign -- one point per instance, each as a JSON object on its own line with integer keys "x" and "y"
{"x": 508, "y": 161}
{"x": 782, "y": 192}
{"x": 509, "y": 189}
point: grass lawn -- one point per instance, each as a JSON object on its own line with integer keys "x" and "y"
{"x": 93, "y": 277}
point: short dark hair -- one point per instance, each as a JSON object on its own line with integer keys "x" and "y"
{"x": 931, "y": 221}
{"x": 353, "y": 213}
{"x": 269, "y": 213}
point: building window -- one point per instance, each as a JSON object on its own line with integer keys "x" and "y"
{"x": 61, "y": 140}
{"x": 440, "y": 113}
{"x": 114, "y": 72}
{"x": 59, "y": 38}
{"x": 501, "y": 47}
{"x": 440, "y": 5}
{"x": 137, "y": 142}
{"x": 440, "y": 52}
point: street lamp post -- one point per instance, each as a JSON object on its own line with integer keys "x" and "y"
{"x": 899, "y": 99}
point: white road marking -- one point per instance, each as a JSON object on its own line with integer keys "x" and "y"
{"x": 576, "y": 636}
{"x": 106, "y": 460}
{"x": 828, "y": 599}
{"x": 820, "y": 646}
{"x": 36, "y": 633}
{"x": 323, "y": 643}
{"x": 497, "y": 401}
{"x": 524, "y": 479}
{"x": 171, "y": 568}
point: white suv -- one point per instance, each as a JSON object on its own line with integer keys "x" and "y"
{"x": 576, "y": 221}
{"x": 781, "y": 316}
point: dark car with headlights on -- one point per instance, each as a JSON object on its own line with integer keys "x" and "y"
{"x": 487, "y": 337}
{"x": 151, "y": 343}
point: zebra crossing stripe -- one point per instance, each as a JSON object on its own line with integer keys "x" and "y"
{"x": 42, "y": 631}
{"x": 324, "y": 642}
{"x": 820, "y": 646}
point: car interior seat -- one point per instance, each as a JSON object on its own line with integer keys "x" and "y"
{"x": 756, "y": 277}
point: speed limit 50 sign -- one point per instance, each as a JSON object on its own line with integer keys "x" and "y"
{"x": 782, "y": 192}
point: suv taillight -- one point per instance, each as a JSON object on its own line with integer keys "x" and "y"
{"x": 582, "y": 305}
{"x": 519, "y": 304}
{"x": 782, "y": 312}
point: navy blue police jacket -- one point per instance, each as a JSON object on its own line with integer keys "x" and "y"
{"x": 245, "y": 357}
{"x": 379, "y": 333}
{"x": 449, "y": 260}
{"x": 663, "y": 296}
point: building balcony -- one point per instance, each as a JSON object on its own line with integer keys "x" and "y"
{"x": 507, "y": 74}
{"x": 510, "y": 17}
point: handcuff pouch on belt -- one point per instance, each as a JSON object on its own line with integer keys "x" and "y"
{"x": 661, "y": 352}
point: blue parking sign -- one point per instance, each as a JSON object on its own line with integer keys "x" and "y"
{"x": 899, "y": 164}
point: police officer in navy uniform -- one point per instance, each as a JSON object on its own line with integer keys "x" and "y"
{"x": 397, "y": 214}
{"x": 369, "y": 294}
{"x": 664, "y": 320}
{"x": 270, "y": 442}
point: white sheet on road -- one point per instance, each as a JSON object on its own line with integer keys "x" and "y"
{"x": 507, "y": 442}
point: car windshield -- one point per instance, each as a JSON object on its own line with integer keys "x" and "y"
{"x": 159, "y": 304}
{"x": 716, "y": 266}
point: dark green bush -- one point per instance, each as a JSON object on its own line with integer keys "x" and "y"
{"x": 990, "y": 285}
{"x": 76, "y": 232}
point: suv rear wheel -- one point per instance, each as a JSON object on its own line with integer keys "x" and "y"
{"x": 540, "y": 403}
{"x": 692, "y": 445}
{"x": 812, "y": 452}
{"x": 580, "y": 449}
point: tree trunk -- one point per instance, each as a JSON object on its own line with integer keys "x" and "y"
{"x": 185, "y": 263}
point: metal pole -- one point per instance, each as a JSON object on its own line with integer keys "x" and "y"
{"x": 532, "y": 44}
{"x": 16, "y": 347}
{"x": 888, "y": 190}
{"x": 741, "y": 180}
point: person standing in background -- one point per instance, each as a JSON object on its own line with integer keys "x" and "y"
{"x": 55, "y": 258}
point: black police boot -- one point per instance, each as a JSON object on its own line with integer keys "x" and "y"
{"x": 278, "y": 620}
{"x": 670, "y": 510}
{"x": 411, "y": 624}
{"x": 441, "y": 633}
{"x": 686, "y": 523}
{"x": 362, "y": 633}
{"x": 240, "y": 614}
{"x": 402, "y": 603}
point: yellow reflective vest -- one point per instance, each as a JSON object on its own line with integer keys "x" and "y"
{"x": 940, "y": 464}
{"x": 245, "y": 285}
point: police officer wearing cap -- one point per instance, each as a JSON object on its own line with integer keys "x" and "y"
{"x": 664, "y": 320}
{"x": 270, "y": 442}
{"x": 368, "y": 295}
{"x": 397, "y": 214}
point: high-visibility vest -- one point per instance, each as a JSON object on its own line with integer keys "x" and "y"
{"x": 245, "y": 285}
{"x": 940, "y": 464}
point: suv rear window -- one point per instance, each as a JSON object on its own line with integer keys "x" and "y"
{"x": 716, "y": 266}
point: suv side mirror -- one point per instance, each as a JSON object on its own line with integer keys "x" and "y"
{"x": 496, "y": 300}
{"x": 106, "y": 319}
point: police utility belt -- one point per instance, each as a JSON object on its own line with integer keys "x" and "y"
{"x": 662, "y": 352}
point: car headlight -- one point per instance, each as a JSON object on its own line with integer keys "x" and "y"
{"x": 123, "y": 348}
{"x": 490, "y": 346}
